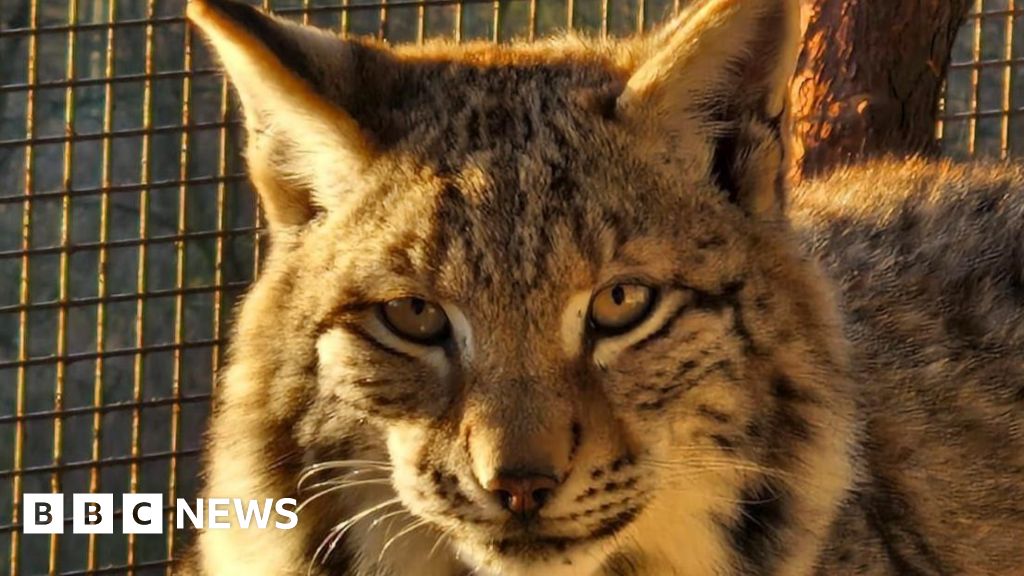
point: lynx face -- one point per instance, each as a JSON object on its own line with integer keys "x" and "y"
{"x": 549, "y": 291}
{"x": 540, "y": 381}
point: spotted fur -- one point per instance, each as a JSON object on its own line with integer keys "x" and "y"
{"x": 829, "y": 388}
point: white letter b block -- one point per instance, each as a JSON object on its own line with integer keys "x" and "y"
{"x": 93, "y": 514}
{"x": 43, "y": 514}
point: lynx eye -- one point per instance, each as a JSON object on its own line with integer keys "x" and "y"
{"x": 620, "y": 307}
{"x": 415, "y": 319}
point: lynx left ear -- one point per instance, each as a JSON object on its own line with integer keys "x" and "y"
{"x": 715, "y": 87}
{"x": 303, "y": 146}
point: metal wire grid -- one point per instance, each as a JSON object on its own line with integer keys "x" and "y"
{"x": 983, "y": 109}
{"x": 121, "y": 285}
{"x": 128, "y": 231}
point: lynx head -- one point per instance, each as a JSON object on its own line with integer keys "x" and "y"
{"x": 550, "y": 286}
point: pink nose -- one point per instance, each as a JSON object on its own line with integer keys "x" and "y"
{"x": 522, "y": 493}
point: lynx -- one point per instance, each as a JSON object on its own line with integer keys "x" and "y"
{"x": 549, "y": 309}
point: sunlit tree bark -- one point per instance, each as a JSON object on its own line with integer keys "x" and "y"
{"x": 869, "y": 78}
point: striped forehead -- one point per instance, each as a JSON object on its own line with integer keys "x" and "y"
{"x": 510, "y": 199}
{"x": 452, "y": 108}
{"x": 504, "y": 226}
{"x": 527, "y": 189}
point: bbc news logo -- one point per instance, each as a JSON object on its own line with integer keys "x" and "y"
{"x": 144, "y": 513}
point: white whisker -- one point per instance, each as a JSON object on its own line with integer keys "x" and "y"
{"x": 442, "y": 537}
{"x": 361, "y": 465}
{"x": 377, "y": 521}
{"x": 415, "y": 525}
{"x": 307, "y": 502}
{"x": 347, "y": 484}
{"x": 335, "y": 534}
{"x": 331, "y": 487}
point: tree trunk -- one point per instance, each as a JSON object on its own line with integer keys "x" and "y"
{"x": 868, "y": 79}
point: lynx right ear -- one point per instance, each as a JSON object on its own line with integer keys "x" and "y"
{"x": 714, "y": 87}
{"x": 302, "y": 145}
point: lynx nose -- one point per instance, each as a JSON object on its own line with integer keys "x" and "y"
{"x": 522, "y": 493}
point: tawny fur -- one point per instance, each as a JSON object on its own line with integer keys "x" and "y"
{"x": 831, "y": 380}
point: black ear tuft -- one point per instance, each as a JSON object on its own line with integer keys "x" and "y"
{"x": 270, "y": 32}
{"x": 304, "y": 146}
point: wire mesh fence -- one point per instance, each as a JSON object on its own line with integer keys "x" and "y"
{"x": 983, "y": 110}
{"x": 128, "y": 230}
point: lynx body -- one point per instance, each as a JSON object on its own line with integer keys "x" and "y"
{"x": 548, "y": 309}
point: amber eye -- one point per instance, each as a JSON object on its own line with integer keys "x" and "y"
{"x": 620, "y": 307}
{"x": 415, "y": 319}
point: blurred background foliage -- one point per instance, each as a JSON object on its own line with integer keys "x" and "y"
{"x": 132, "y": 207}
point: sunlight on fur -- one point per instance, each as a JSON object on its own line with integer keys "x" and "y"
{"x": 820, "y": 381}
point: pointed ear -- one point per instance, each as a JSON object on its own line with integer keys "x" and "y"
{"x": 302, "y": 146}
{"x": 714, "y": 89}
